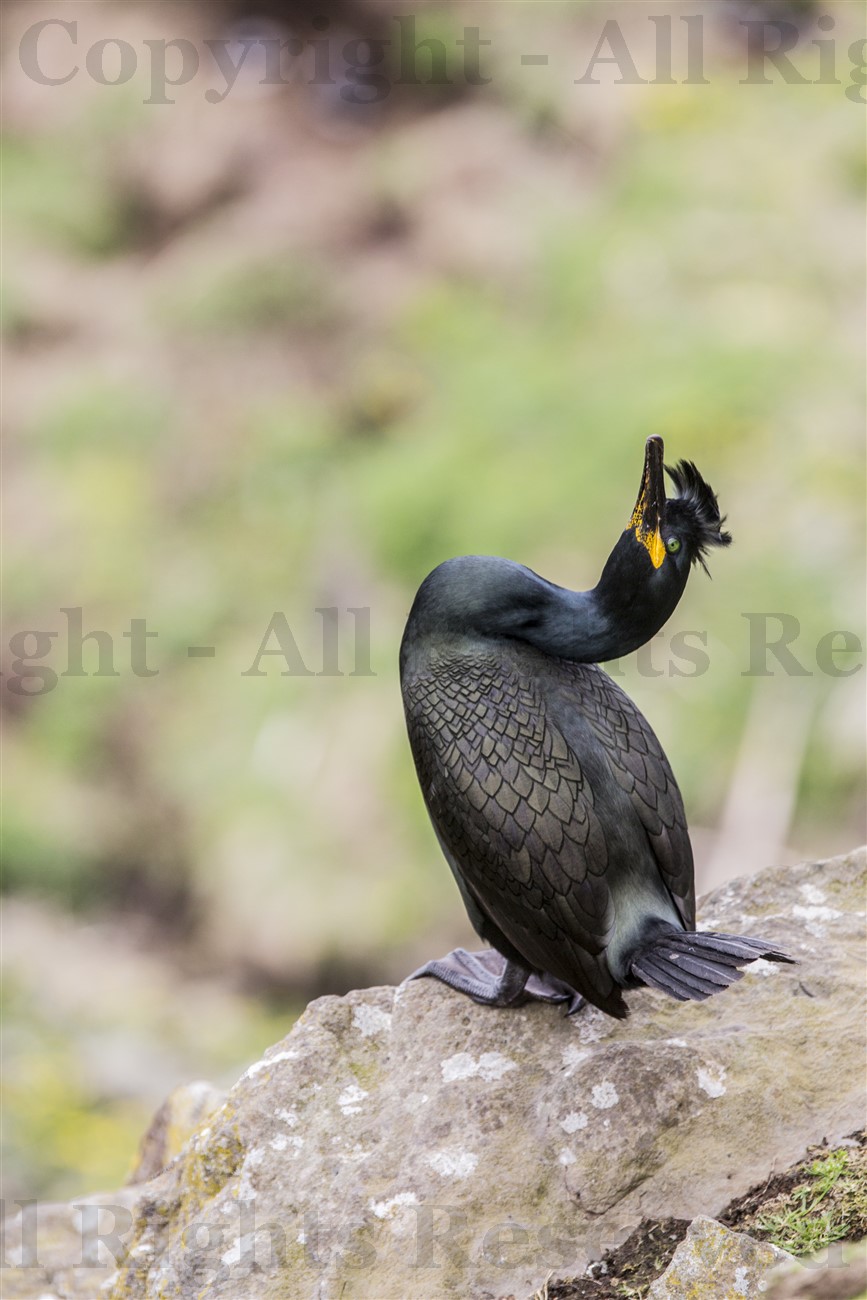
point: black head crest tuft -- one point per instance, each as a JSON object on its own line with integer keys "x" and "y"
{"x": 695, "y": 510}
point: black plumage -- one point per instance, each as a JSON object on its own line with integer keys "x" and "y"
{"x": 550, "y": 795}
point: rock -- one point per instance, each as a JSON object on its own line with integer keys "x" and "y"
{"x": 66, "y": 1252}
{"x": 183, "y": 1111}
{"x": 839, "y": 1273}
{"x": 404, "y": 1143}
{"x": 717, "y": 1264}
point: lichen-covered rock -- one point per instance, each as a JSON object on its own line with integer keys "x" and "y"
{"x": 405, "y": 1143}
{"x": 714, "y": 1263}
{"x": 183, "y": 1111}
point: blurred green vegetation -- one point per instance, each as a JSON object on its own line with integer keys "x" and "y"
{"x": 304, "y": 377}
{"x": 255, "y": 295}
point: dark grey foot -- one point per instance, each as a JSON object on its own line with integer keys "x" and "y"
{"x": 547, "y": 988}
{"x": 488, "y": 978}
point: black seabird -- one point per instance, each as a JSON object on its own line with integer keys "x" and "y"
{"x": 549, "y": 793}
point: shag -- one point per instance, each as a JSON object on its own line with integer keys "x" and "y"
{"x": 549, "y": 793}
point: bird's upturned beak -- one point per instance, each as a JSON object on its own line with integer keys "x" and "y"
{"x": 647, "y": 516}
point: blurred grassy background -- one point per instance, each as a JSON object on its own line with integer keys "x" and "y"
{"x": 286, "y": 353}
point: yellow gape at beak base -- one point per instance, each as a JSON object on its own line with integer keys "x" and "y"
{"x": 655, "y": 546}
{"x": 652, "y": 541}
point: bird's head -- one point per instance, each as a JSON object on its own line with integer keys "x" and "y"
{"x": 680, "y": 529}
{"x": 646, "y": 573}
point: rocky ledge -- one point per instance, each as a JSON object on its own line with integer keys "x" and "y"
{"x": 405, "y": 1143}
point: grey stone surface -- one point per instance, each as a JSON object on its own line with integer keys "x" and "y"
{"x": 838, "y": 1273}
{"x": 405, "y": 1143}
{"x": 714, "y": 1263}
{"x": 66, "y": 1252}
{"x": 184, "y": 1110}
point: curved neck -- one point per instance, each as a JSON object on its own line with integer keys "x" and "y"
{"x": 490, "y": 598}
{"x": 585, "y": 627}
{"x": 628, "y": 605}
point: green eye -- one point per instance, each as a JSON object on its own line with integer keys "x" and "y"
{"x": 673, "y": 545}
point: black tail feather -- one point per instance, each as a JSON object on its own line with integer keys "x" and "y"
{"x": 690, "y": 966}
{"x": 657, "y": 971}
{"x": 703, "y": 969}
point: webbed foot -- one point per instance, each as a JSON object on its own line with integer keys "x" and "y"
{"x": 547, "y": 988}
{"x": 491, "y": 980}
